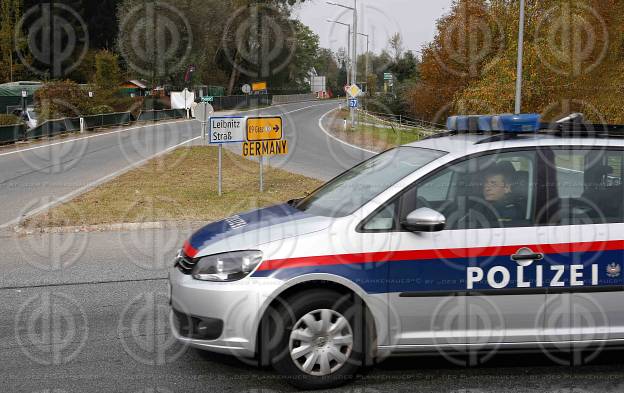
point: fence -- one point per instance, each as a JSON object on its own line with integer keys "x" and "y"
{"x": 166, "y": 114}
{"x": 239, "y": 102}
{"x": 72, "y": 124}
{"x": 293, "y": 98}
{"x": 9, "y": 134}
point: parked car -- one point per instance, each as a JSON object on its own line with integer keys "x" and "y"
{"x": 482, "y": 238}
{"x": 29, "y": 116}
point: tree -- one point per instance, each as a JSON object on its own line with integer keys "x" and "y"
{"x": 10, "y": 14}
{"x": 107, "y": 73}
{"x": 396, "y": 44}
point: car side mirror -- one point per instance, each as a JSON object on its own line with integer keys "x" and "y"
{"x": 424, "y": 220}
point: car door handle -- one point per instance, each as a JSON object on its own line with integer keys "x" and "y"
{"x": 527, "y": 257}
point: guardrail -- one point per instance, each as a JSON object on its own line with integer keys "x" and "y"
{"x": 158, "y": 115}
{"x": 72, "y": 124}
{"x": 13, "y": 133}
{"x": 240, "y": 102}
{"x": 404, "y": 122}
{"x": 293, "y": 98}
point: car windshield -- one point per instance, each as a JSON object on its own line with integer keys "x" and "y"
{"x": 32, "y": 114}
{"x": 359, "y": 185}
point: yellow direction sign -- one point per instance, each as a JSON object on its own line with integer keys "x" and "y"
{"x": 264, "y": 129}
{"x": 265, "y": 148}
{"x": 259, "y": 86}
{"x": 353, "y": 91}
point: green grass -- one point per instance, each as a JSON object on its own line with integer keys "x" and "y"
{"x": 180, "y": 186}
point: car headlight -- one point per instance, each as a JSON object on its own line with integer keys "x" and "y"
{"x": 229, "y": 266}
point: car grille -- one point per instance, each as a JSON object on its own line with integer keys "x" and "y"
{"x": 185, "y": 263}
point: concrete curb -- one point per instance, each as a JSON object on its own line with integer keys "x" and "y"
{"x": 116, "y": 227}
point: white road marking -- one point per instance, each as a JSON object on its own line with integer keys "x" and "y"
{"x": 132, "y": 128}
{"x": 93, "y": 184}
{"x": 338, "y": 139}
{"x": 89, "y": 137}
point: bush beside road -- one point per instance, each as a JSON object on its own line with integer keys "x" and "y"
{"x": 180, "y": 186}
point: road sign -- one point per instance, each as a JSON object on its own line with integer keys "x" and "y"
{"x": 246, "y": 89}
{"x": 208, "y": 99}
{"x": 265, "y": 148}
{"x": 24, "y": 94}
{"x": 353, "y": 103}
{"x": 388, "y": 76}
{"x": 203, "y": 112}
{"x": 259, "y": 86}
{"x": 264, "y": 129}
{"x": 353, "y": 91}
{"x": 227, "y": 129}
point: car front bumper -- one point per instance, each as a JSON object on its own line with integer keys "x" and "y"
{"x": 224, "y": 316}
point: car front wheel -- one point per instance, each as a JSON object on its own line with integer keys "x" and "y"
{"x": 322, "y": 339}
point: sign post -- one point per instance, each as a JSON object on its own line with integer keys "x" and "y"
{"x": 265, "y": 137}
{"x": 225, "y": 129}
{"x": 203, "y": 111}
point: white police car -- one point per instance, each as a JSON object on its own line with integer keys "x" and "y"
{"x": 486, "y": 236}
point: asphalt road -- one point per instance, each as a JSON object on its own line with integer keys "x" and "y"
{"x": 35, "y": 176}
{"x": 88, "y": 311}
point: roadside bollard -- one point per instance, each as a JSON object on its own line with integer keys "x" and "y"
{"x": 82, "y": 125}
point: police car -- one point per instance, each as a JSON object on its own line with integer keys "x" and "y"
{"x": 486, "y": 236}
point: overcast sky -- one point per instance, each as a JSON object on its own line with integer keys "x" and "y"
{"x": 414, "y": 19}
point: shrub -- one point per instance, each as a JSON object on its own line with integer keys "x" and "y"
{"x": 61, "y": 99}
{"x": 100, "y": 109}
{"x": 9, "y": 120}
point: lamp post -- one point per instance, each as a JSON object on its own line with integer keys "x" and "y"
{"x": 348, "y": 47}
{"x": 518, "y": 108}
{"x": 353, "y": 49}
{"x": 367, "y": 61}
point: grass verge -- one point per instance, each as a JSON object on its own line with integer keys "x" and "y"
{"x": 179, "y": 186}
{"x": 370, "y": 133}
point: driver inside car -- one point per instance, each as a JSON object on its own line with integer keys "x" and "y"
{"x": 498, "y": 195}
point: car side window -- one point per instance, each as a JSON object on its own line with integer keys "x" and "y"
{"x": 490, "y": 191}
{"x": 588, "y": 187}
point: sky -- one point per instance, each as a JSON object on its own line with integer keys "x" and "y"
{"x": 414, "y": 19}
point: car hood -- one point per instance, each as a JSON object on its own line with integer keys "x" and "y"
{"x": 249, "y": 230}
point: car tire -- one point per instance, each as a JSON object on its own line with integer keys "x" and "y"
{"x": 310, "y": 337}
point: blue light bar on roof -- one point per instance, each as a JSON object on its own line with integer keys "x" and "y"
{"x": 495, "y": 123}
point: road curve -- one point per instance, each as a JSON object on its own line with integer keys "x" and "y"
{"x": 35, "y": 177}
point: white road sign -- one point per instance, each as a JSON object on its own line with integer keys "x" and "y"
{"x": 227, "y": 129}
{"x": 246, "y": 89}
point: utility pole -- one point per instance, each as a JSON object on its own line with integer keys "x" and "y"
{"x": 348, "y": 46}
{"x": 367, "y": 60}
{"x": 354, "y": 50}
{"x": 519, "y": 69}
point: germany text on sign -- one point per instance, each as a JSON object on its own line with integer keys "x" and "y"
{"x": 265, "y": 148}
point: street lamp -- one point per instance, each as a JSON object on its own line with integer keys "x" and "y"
{"x": 348, "y": 47}
{"x": 354, "y": 49}
{"x": 520, "y": 56}
{"x": 367, "y": 62}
